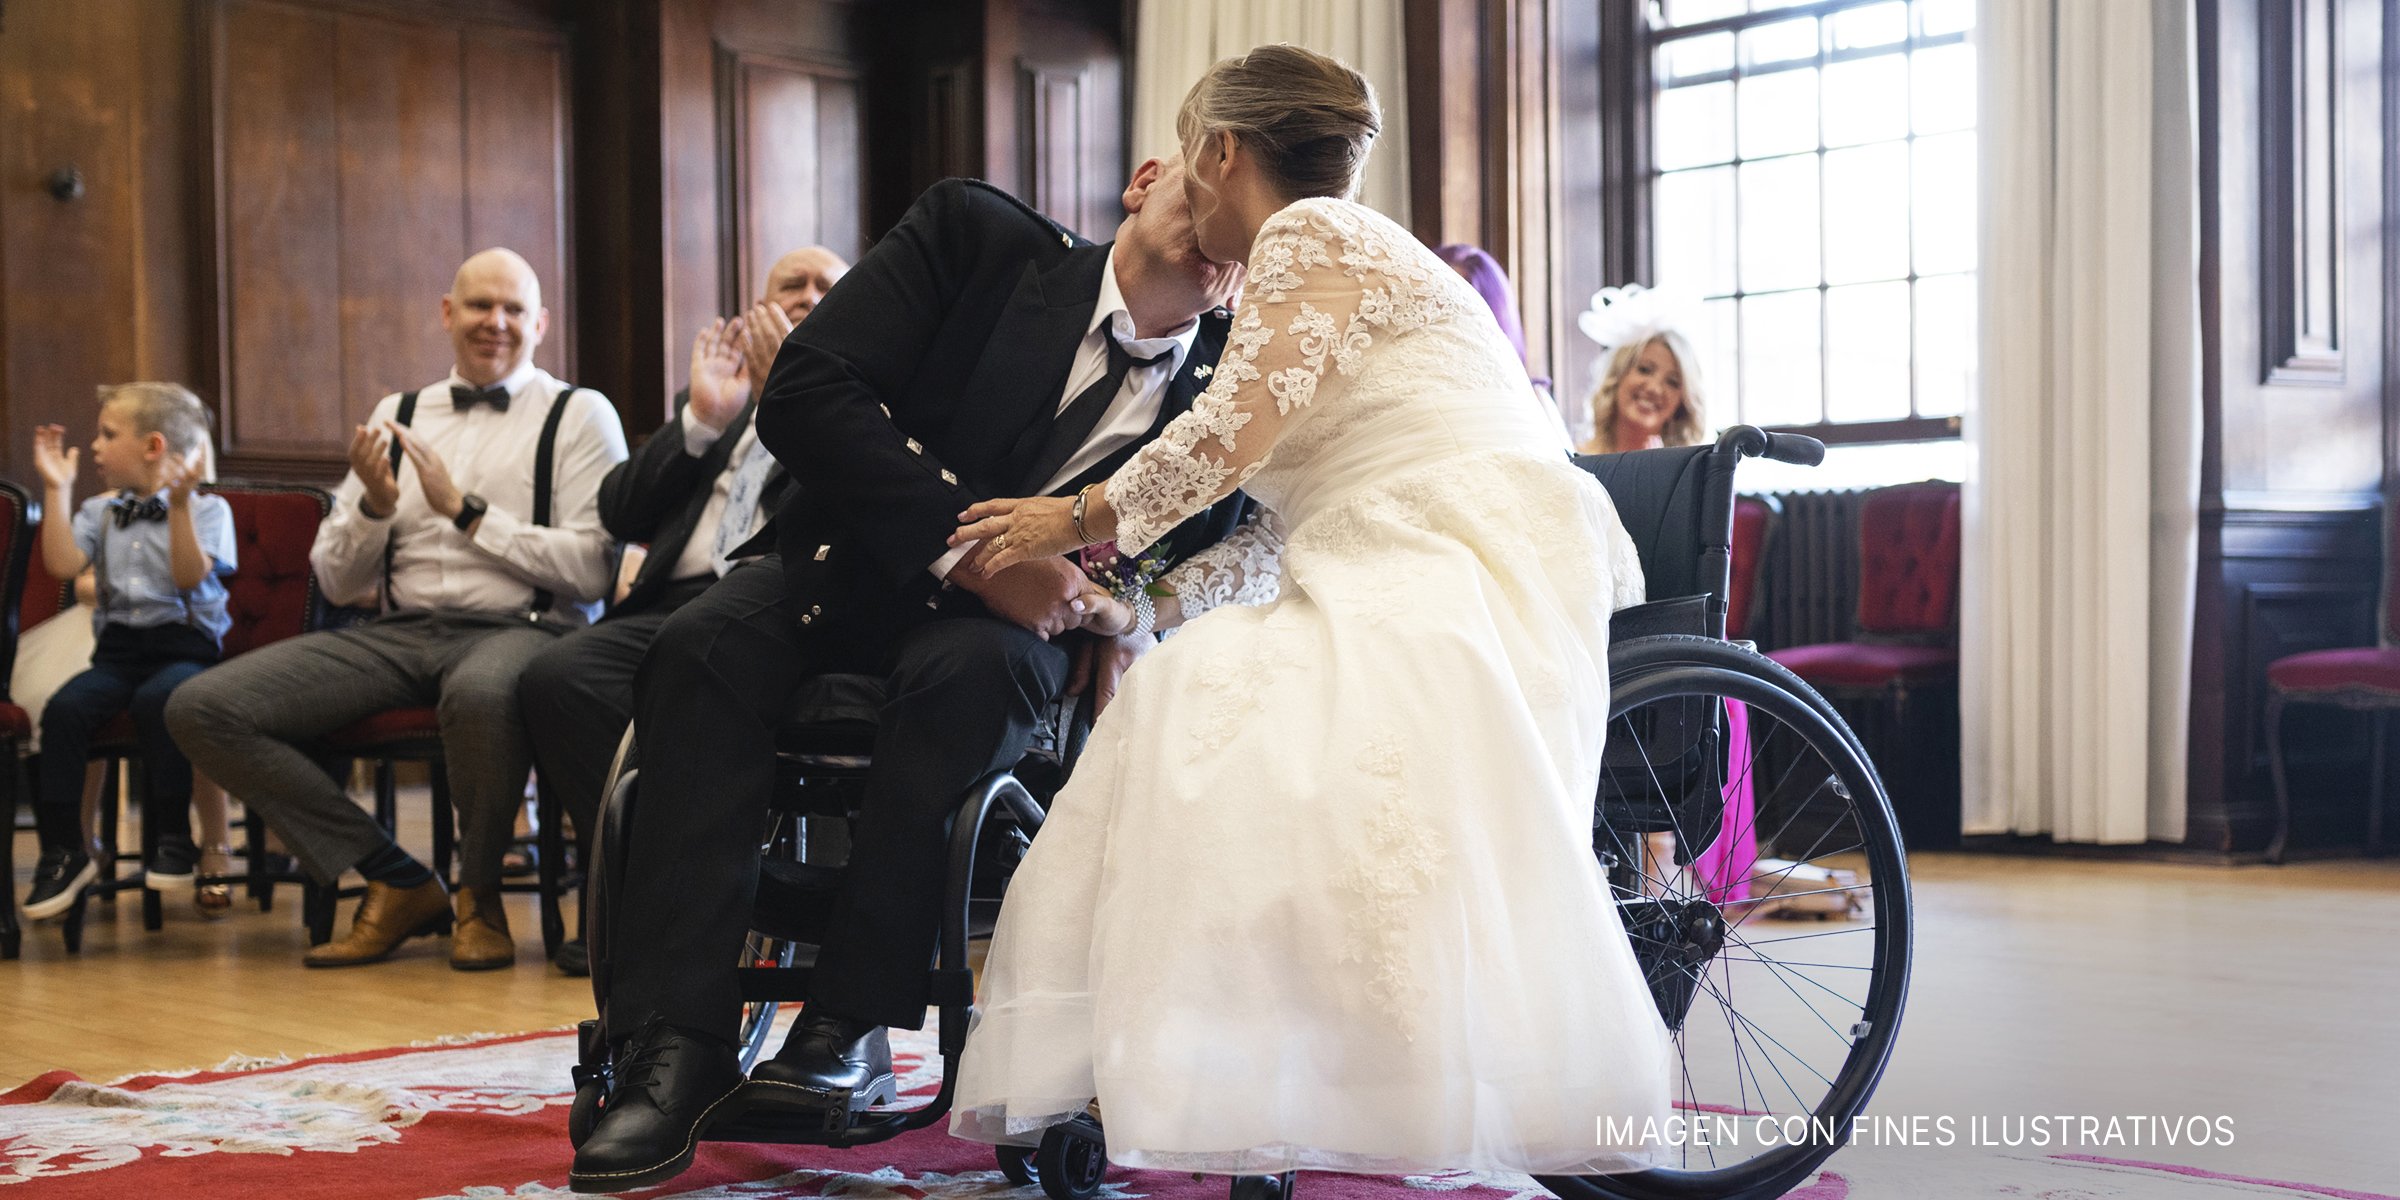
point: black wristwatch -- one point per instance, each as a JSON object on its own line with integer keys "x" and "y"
{"x": 471, "y": 508}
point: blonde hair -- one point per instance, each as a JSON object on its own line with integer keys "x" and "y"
{"x": 1310, "y": 119}
{"x": 1689, "y": 425}
{"x": 169, "y": 410}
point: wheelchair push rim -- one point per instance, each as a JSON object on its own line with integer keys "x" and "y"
{"x": 1783, "y": 1004}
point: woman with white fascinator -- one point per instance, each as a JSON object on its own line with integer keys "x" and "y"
{"x": 1649, "y": 393}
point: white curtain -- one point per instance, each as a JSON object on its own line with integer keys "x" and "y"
{"x": 2081, "y": 498}
{"x": 1175, "y": 40}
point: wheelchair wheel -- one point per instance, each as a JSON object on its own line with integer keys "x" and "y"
{"x": 1072, "y": 1161}
{"x": 766, "y": 950}
{"x": 1780, "y": 1031}
{"x": 1264, "y": 1187}
{"x": 1016, "y": 1162}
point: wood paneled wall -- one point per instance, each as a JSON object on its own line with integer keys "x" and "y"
{"x": 94, "y": 280}
{"x": 2298, "y": 396}
{"x": 359, "y": 157}
{"x": 275, "y": 193}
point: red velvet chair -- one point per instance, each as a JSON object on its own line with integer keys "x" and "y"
{"x": 271, "y": 595}
{"x": 2362, "y": 678}
{"x": 1906, "y": 644}
{"x": 16, "y": 548}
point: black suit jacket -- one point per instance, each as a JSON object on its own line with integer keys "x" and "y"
{"x": 911, "y": 392}
{"x": 657, "y": 496}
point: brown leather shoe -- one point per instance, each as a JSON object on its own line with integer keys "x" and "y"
{"x": 480, "y": 941}
{"x": 387, "y": 917}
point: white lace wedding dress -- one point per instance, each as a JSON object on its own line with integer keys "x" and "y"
{"x": 1321, "y": 892}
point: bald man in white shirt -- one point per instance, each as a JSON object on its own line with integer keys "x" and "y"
{"x": 438, "y": 522}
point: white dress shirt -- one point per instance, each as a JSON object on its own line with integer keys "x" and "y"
{"x": 1128, "y": 416}
{"x": 490, "y": 454}
{"x": 699, "y": 555}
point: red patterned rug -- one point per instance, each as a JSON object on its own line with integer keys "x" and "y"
{"x": 485, "y": 1118}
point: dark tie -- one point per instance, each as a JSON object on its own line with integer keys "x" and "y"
{"x": 128, "y": 508}
{"x": 463, "y": 397}
{"x": 1073, "y": 426}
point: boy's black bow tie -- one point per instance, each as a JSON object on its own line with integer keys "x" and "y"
{"x": 463, "y": 397}
{"x": 128, "y": 508}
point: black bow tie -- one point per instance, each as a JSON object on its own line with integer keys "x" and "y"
{"x": 128, "y": 508}
{"x": 463, "y": 397}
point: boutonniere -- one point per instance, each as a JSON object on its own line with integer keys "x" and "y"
{"x": 1104, "y": 566}
{"x": 1204, "y": 370}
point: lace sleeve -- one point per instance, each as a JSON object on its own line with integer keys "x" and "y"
{"x": 1245, "y": 568}
{"x": 1317, "y": 292}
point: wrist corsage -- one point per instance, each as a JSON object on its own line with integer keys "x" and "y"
{"x": 1134, "y": 583}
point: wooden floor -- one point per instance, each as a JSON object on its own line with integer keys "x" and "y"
{"x": 2042, "y": 986}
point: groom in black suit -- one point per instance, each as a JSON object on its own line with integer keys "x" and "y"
{"x": 977, "y": 351}
{"x": 701, "y": 485}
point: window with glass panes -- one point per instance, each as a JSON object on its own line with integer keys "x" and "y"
{"x": 1814, "y": 182}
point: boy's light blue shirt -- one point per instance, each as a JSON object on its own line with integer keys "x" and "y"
{"x": 137, "y": 576}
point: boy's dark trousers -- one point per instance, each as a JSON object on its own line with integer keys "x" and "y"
{"x": 136, "y": 668}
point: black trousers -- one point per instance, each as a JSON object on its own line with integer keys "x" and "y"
{"x": 965, "y": 696}
{"x": 577, "y": 695}
{"x": 132, "y": 669}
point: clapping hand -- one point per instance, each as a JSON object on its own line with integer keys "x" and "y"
{"x": 433, "y": 476}
{"x": 763, "y": 329}
{"x": 721, "y": 376}
{"x": 54, "y": 459}
{"x": 180, "y": 474}
{"x": 371, "y": 461}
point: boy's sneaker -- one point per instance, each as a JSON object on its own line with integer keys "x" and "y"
{"x": 174, "y": 862}
{"x": 58, "y": 879}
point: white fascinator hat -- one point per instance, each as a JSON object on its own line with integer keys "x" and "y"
{"x": 1633, "y": 314}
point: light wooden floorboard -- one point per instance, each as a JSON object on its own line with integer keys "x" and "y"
{"x": 2042, "y": 986}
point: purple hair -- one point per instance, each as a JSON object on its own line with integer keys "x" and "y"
{"x": 1483, "y": 273}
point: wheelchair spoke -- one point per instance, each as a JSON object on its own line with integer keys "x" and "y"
{"x": 1760, "y": 1036}
{"x": 1770, "y": 1039}
{"x": 1812, "y": 1009}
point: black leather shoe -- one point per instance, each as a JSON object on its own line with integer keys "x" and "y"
{"x": 670, "y": 1086}
{"x": 829, "y": 1065}
{"x": 573, "y": 959}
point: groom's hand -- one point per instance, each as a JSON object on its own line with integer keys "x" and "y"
{"x": 1100, "y": 663}
{"x": 1044, "y": 595}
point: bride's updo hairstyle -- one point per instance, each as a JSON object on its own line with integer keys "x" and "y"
{"x": 1309, "y": 119}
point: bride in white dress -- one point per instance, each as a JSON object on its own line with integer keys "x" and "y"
{"x": 1321, "y": 893}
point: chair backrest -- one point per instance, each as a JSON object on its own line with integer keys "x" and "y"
{"x": 1677, "y": 504}
{"x": 16, "y": 547}
{"x": 2388, "y": 622}
{"x": 1753, "y": 528}
{"x": 1908, "y": 559}
{"x": 273, "y": 593}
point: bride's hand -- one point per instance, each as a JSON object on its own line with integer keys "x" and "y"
{"x": 1105, "y": 615}
{"x": 1015, "y": 531}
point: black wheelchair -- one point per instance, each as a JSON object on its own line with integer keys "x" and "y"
{"x": 1782, "y": 1030}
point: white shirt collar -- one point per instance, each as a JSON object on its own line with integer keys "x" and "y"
{"x": 515, "y": 381}
{"x": 1112, "y": 308}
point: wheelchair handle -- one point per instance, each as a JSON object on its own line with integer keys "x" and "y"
{"x": 1798, "y": 449}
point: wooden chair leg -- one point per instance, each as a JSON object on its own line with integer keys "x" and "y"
{"x": 2283, "y": 791}
{"x": 12, "y": 934}
{"x": 2375, "y": 781}
{"x": 550, "y": 847}
{"x": 154, "y": 908}
{"x": 445, "y": 826}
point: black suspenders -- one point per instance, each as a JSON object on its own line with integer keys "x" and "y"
{"x": 545, "y": 458}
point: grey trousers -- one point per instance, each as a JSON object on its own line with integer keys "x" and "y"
{"x": 247, "y": 724}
